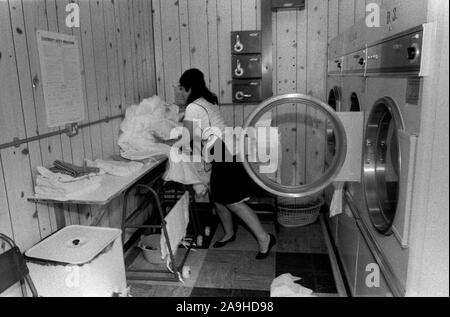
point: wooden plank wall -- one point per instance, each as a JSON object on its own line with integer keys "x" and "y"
{"x": 196, "y": 33}
{"x": 343, "y": 14}
{"x": 117, "y": 54}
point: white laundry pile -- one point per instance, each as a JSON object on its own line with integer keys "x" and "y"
{"x": 155, "y": 117}
{"x": 63, "y": 187}
{"x": 176, "y": 224}
{"x": 285, "y": 286}
{"x": 116, "y": 168}
{"x": 151, "y": 117}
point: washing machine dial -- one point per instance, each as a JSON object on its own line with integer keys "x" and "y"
{"x": 413, "y": 52}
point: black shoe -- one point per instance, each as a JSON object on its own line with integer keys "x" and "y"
{"x": 263, "y": 255}
{"x": 219, "y": 244}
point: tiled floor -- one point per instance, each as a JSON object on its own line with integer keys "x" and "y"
{"x": 233, "y": 271}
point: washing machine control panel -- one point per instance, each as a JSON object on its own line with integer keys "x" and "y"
{"x": 397, "y": 55}
{"x": 355, "y": 63}
{"x": 335, "y": 65}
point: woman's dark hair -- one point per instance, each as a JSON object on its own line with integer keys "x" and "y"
{"x": 195, "y": 80}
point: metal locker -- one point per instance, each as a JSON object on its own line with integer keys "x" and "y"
{"x": 246, "y": 66}
{"x": 246, "y": 91}
{"x": 246, "y": 42}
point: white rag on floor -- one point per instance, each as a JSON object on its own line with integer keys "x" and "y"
{"x": 284, "y": 286}
{"x": 176, "y": 224}
{"x": 116, "y": 168}
{"x": 337, "y": 202}
{"x": 63, "y": 187}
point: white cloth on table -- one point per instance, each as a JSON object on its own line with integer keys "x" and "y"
{"x": 63, "y": 187}
{"x": 176, "y": 224}
{"x": 116, "y": 168}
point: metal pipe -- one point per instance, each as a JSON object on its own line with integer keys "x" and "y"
{"x": 17, "y": 142}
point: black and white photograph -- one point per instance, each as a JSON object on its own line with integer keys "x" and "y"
{"x": 224, "y": 155}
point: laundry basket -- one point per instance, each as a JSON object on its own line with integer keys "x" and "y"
{"x": 297, "y": 212}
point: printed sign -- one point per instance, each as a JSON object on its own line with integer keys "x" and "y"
{"x": 61, "y": 78}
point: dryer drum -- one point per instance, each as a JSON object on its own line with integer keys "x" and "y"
{"x": 279, "y": 104}
{"x": 382, "y": 164}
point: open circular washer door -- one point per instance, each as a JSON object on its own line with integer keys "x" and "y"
{"x": 382, "y": 163}
{"x": 289, "y": 158}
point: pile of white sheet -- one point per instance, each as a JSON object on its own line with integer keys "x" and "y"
{"x": 153, "y": 117}
{"x": 62, "y": 187}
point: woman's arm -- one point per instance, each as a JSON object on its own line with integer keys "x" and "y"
{"x": 187, "y": 124}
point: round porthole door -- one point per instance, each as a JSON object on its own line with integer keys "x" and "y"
{"x": 295, "y": 129}
{"x": 382, "y": 163}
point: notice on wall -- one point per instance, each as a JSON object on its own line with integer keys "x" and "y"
{"x": 61, "y": 78}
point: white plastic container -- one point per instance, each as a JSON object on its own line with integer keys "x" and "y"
{"x": 79, "y": 261}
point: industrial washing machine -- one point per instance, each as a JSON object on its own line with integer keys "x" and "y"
{"x": 392, "y": 128}
{"x": 353, "y": 100}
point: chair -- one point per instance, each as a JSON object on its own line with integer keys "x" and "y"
{"x": 13, "y": 268}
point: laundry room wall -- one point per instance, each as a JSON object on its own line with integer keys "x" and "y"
{"x": 196, "y": 33}
{"x": 116, "y": 50}
{"x": 342, "y": 14}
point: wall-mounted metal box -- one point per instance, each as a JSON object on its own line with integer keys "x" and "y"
{"x": 246, "y": 66}
{"x": 246, "y": 91}
{"x": 288, "y": 4}
{"x": 245, "y": 42}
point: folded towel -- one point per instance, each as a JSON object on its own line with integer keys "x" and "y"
{"x": 71, "y": 169}
{"x": 63, "y": 187}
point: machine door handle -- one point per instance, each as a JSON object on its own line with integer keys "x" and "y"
{"x": 239, "y": 71}
{"x": 241, "y": 95}
{"x": 238, "y": 47}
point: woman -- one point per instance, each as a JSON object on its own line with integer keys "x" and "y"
{"x": 230, "y": 185}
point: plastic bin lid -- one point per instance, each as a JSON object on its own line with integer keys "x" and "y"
{"x": 74, "y": 244}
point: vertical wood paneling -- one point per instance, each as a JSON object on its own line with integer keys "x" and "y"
{"x": 184, "y": 30}
{"x": 251, "y": 19}
{"x": 114, "y": 84}
{"x": 149, "y": 49}
{"x": 138, "y": 48}
{"x": 109, "y": 81}
{"x": 101, "y": 74}
{"x": 286, "y": 69}
{"x": 302, "y": 70}
{"x": 70, "y": 211}
{"x": 126, "y": 52}
{"x": 236, "y": 25}
{"x": 26, "y": 89}
{"x": 90, "y": 78}
{"x": 159, "y": 52}
{"x": 213, "y": 56}
{"x": 171, "y": 45}
{"x": 198, "y": 37}
{"x": 5, "y": 218}
{"x": 316, "y": 61}
{"x": 15, "y": 161}
{"x": 223, "y": 38}
{"x": 333, "y": 18}
{"x": 133, "y": 45}
{"x": 360, "y": 9}
{"x": 346, "y": 14}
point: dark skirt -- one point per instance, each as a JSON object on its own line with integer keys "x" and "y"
{"x": 230, "y": 183}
